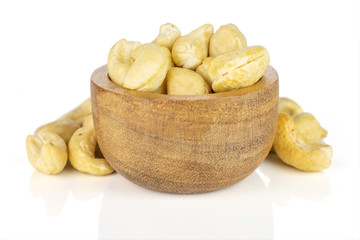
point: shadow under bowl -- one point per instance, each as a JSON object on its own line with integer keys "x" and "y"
{"x": 184, "y": 144}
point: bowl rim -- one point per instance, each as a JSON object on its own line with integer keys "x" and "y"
{"x": 101, "y": 79}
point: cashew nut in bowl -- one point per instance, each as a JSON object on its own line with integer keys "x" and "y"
{"x": 149, "y": 69}
{"x": 119, "y": 62}
{"x": 227, "y": 38}
{"x": 292, "y": 149}
{"x": 238, "y": 69}
{"x": 182, "y": 81}
{"x": 82, "y": 157}
{"x": 286, "y": 105}
{"x": 190, "y": 50}
{"x": 167, "y": 35}
{"x": 64, "y": 128}
{"x": 203, "y": 69}
{"x": 79, "y": 113}
{"x": 47, "y": 152}
{"x": 310, "y": 129}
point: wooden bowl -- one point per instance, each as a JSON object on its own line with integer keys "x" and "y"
{"x": 184, "y": 144}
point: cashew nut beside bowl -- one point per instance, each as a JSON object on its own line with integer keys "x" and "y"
{"x": 82, "y": 148}
{"x": 310, "y": 129}
{"x": 227, "y": 38}
{"x": 190, "y": 50}
{"x": 47, "y": 152}
{"x": 63, "y": 127}
{"x": 79, "y": 113}
{"x": 286, "y": 105}
{"x": 291, "y": 148}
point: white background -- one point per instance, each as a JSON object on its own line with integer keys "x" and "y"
{"x": 48, "y": 51}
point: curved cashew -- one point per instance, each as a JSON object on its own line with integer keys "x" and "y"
{"x": 82, "y": 147}
{"x": 286, "y": 105}
{"x": 295, "y": 151}
{"x": 189, "y": 50}
{"x": 203, "y": 69}
{"x": 168, "y": 34}
{"x": 227, "y": 38}
{"x": 182, "y": 81}
{"x": 64, "y": 128}
{"x": 47, "y": 152}
{"x": 119, "y": 63}
{"x": 238, "y": 69}
{"x": 79, "y": 113}
{"x": 149, "y": 69}
{"x": 309, "y": 128}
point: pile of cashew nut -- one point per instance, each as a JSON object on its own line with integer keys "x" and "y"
{"x": 299, "y": 138}
{"x": 71, "y": 137}
{"x": 199, "y": 62}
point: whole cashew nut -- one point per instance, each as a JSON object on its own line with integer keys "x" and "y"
{"x": 47, "y": 152}
{"x": 149, "y": 69}
{"x": 309, "y": 128}
{"x": 63, "y": 127}
{"x": 227, "y": 38}
{"x": 168, "y": 34}
{"x": 79, "y": 113}
{"x": 119, "y": 62}
{"x": 190, "y": 50}
{"x": 238, "y": 69}
{"x": 182, "y": 81}
{"x": 295, "y": 151}
{"x": 286, "y": 105}
{"x": 82, "y": 148}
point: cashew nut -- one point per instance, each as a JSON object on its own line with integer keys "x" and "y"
{"x": 118, "y": 63}
{"x": 182, "y": 81}
{"x": 309, "y": 128}
{"x": 47, "y": 152}
{"x": 238, "y": 69}
{"x": 189, "y": 50}
{"x": 286, "y": 105}
{"x": 82, "y": 157}
{"x": 227, "y": 38}
{"x": 167, "y": 35}
{"x": 79, "y": 113}
{"x": 203, "y": 69}
{"x": 88, "y": 121}
{"x": 295, "y": 151}
{"x": 149, "y": 69}
{"x": 64, "y": 128}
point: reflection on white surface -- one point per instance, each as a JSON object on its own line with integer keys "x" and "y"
{"x": 244, "y": 210}
{"x": 129, "y": 211}
{"x": 286, "y": 181}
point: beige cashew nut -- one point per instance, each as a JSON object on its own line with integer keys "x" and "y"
{"x": 148, "y": 72}
{"x": 227, "y": 38}
{"x": 47, "y": 152}
{"x": 168, "y": 34}
{"x": 190, "y": 50}
{"x": 119, "y": 62}
{"x": 286, "y": 105}
{"x": 292, "y": 149}
{"x": 238, "y": 69}
{"x": 82, "y": 148}
{"x": 182, "y": 81}
{"x": 203, "y": 69}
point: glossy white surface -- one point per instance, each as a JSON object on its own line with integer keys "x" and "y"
{"x": 47, "y": 53}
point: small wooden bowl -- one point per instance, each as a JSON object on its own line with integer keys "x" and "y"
{"x": 184, "y": 144}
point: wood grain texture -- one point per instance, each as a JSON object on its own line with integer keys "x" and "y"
{"x": 185, "y": 144}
